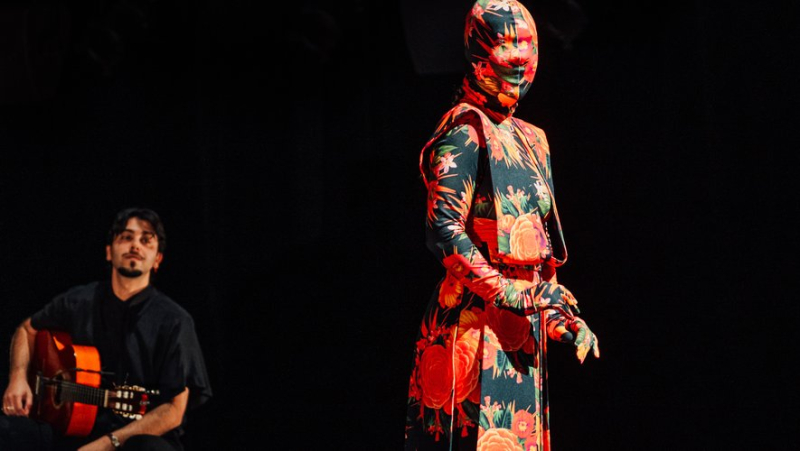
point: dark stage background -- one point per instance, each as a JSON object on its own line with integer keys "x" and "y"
{"x": 280, "y": 144}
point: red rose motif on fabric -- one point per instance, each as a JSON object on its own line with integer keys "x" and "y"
{"x": 475, "y": 396}
{"x": 530, "y": 346}
{"x": 466, "y": 364}
{"x": 457, "y": 264}
{"x": 527, "y": 238}
{"x": 435, "y": 376}
{"x": 413, "y": 389}
{"x": 498, "y": 440}
{"x": 523, "y": 424}
{"x": 512, "y": 330}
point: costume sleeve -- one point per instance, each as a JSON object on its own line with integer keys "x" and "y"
{"x": 185, "y": 366}
{"x": 451, "y": 167}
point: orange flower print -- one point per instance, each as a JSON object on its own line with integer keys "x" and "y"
{"x": 511, "y": 148}
{"x": 523, "y": 424}
{"x": 498, "y": 440}
{"x": 530, "y": 69}
{"x": 466, "y": 365}
{"x": 475, "y": 396}
{"x": 527, "y": 238}
{"x": 473, "y": 136}
{"x": 470, "y": 321}
{"x": 450, "y": 292}
{"x": 509, "y": 95}
{"x": 435, "y": 376}
{"x": 532, "y": 444}
{"x": 496, "y": 146}
{"x": 457, "y": 264}
{"x": 505, "y": 223}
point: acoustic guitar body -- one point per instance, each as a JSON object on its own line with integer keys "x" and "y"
{"x": 55, "y": 357}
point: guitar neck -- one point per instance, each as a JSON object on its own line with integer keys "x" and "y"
{"x": 74, "y": 392}
{"x": 128, "y": 401}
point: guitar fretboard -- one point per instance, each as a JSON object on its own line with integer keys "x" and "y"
{"x": 74, "y": 392}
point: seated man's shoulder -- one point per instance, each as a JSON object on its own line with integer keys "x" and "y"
{"x": 167, "y": 307}
{"x": 83, "y": 292}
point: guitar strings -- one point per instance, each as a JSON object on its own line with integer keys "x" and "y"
{"x": 72, "y": 391}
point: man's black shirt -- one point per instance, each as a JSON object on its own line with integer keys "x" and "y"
{"x": 148, "y": 340}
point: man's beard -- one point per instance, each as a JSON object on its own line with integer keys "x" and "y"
{"x": 129, "y": 272}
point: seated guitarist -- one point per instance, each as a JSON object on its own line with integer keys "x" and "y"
{"x": 143, "y": 339}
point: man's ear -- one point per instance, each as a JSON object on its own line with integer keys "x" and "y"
{"x": 108, "y": 253}
{"x": 159, "y": 258}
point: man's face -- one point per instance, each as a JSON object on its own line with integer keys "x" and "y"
{"x": 134, "y": 252}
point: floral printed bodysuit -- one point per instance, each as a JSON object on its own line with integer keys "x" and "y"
{"x": 479, "y": 375}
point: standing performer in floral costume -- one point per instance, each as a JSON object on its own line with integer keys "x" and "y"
{"x": 479, "y": 376}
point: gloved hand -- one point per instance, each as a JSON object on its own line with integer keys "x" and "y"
{"x": 573, "y": 331}
{"x": 585, "y": 339}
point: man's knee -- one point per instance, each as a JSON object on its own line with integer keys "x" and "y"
{"x": 24, "y": 434}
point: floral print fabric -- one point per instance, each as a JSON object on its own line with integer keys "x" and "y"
{"x": 479, "y": 374}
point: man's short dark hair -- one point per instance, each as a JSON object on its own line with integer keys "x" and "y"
{"x": 144, "y": 214}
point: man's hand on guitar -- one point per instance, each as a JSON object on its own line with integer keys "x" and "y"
{"x": 18, "y": 397}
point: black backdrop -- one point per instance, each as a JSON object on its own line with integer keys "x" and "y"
{"x": 280, "y": 144}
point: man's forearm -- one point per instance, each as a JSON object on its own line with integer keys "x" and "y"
{"x": 158, "y": 421}
{"x": 21, "y": 349}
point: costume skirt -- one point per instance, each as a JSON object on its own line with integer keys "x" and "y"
{"x": 479, "y": 376}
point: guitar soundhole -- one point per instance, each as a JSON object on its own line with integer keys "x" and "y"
{"x": 58, "y": 391}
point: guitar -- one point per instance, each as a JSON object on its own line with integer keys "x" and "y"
{"x": 65, "y": 380}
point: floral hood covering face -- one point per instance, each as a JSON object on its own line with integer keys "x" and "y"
{"x": 479, "y": 380}
{"x": 501, "y": 47}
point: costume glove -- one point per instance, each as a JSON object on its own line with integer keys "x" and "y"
{"x": 575, "y": 331}
{"x": 585, "y": 339}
